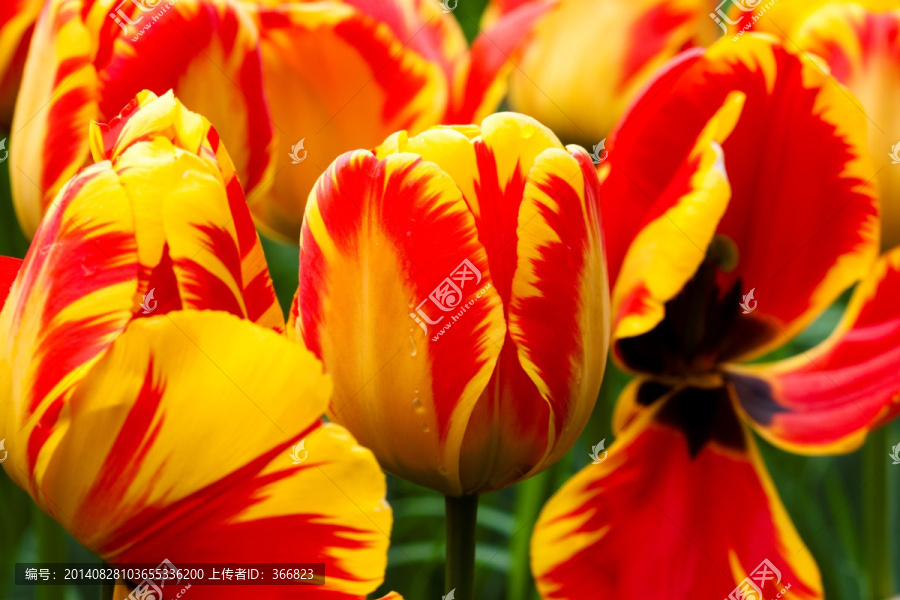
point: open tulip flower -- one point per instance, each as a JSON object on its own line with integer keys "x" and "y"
{"x": 149, "y": 400}
{"x": 704, "y": 283}
{"x": 288, "y": 85}
{"x": 454, "y": 285}
{"x": 588, "y": 59}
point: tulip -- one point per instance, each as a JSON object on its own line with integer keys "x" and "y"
{"x": 454, "y": 285}
{"x": 756, "y": 218}
{"x": 151, "y": 405}
{"x": 288, "y": 85}
{"x": 590, "y": 58}
{"x": 17, "y": 19}
{"x": 862, "y": 50}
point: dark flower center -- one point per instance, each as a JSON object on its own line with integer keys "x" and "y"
{"x": 704, "y": 326}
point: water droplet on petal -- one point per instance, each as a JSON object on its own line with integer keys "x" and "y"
{"x": 443, "y": 470}
{"x": 425, "y": 427}
{"x": 413, "y": 342}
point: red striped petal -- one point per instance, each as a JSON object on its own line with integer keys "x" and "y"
{"x": 687, "y": 475}
{"x": 803, "y": 214}
{"x": 829, "y": 398}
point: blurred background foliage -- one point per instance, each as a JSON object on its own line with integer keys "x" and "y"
{"x": 845, "y": 507}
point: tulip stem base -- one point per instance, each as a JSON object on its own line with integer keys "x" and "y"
{"x": 462, "y": 515}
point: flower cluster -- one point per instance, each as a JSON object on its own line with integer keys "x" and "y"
{"x": 464, "y": 277}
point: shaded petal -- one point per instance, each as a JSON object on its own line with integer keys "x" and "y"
{"x": 862, "y": 50}
{"x": 202, "y": 224}
{"x": 560, "y": 247}
{"x": 339, "y": 80}
{"x": 588, "y": 60}
{"x": 17, "y": 19}
{"x": 494, "y": 56}
{"x": 827, "y": 400}
{"x": 678, "y": 474}
{"x": 370, "y": 258}
{"x": 57, "y": 101}
{"x": 804, "y": 213}
{"x": 144, "y": 407}
{"x": 76, "y": 291}
{"x": 657, "y": 244}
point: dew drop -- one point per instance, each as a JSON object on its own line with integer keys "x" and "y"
{"x": 425, "y": 427}
{"x": 413, "y": 342}
{"x": 528, "y": 130}
{"x": 443, "y": 470}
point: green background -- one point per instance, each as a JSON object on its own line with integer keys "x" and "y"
{"x": 844, "y": 507}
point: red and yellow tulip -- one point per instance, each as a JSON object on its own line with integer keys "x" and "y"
{"x": 711, "y": 271}
{"x": 454, "y": 285}
{"x": 17, "y": 19}
{"x": 589, "y": 58}
{"x": 149, "y": 400}
{"x": 278, "y": 80}
{"x": 862, "y": 50}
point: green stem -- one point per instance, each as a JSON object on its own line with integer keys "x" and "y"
{"x": 875, "y": 516}
{"x": 51, "y": 548}
{"x": 462, "y": 514}
{"x": 529, "y": 498}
